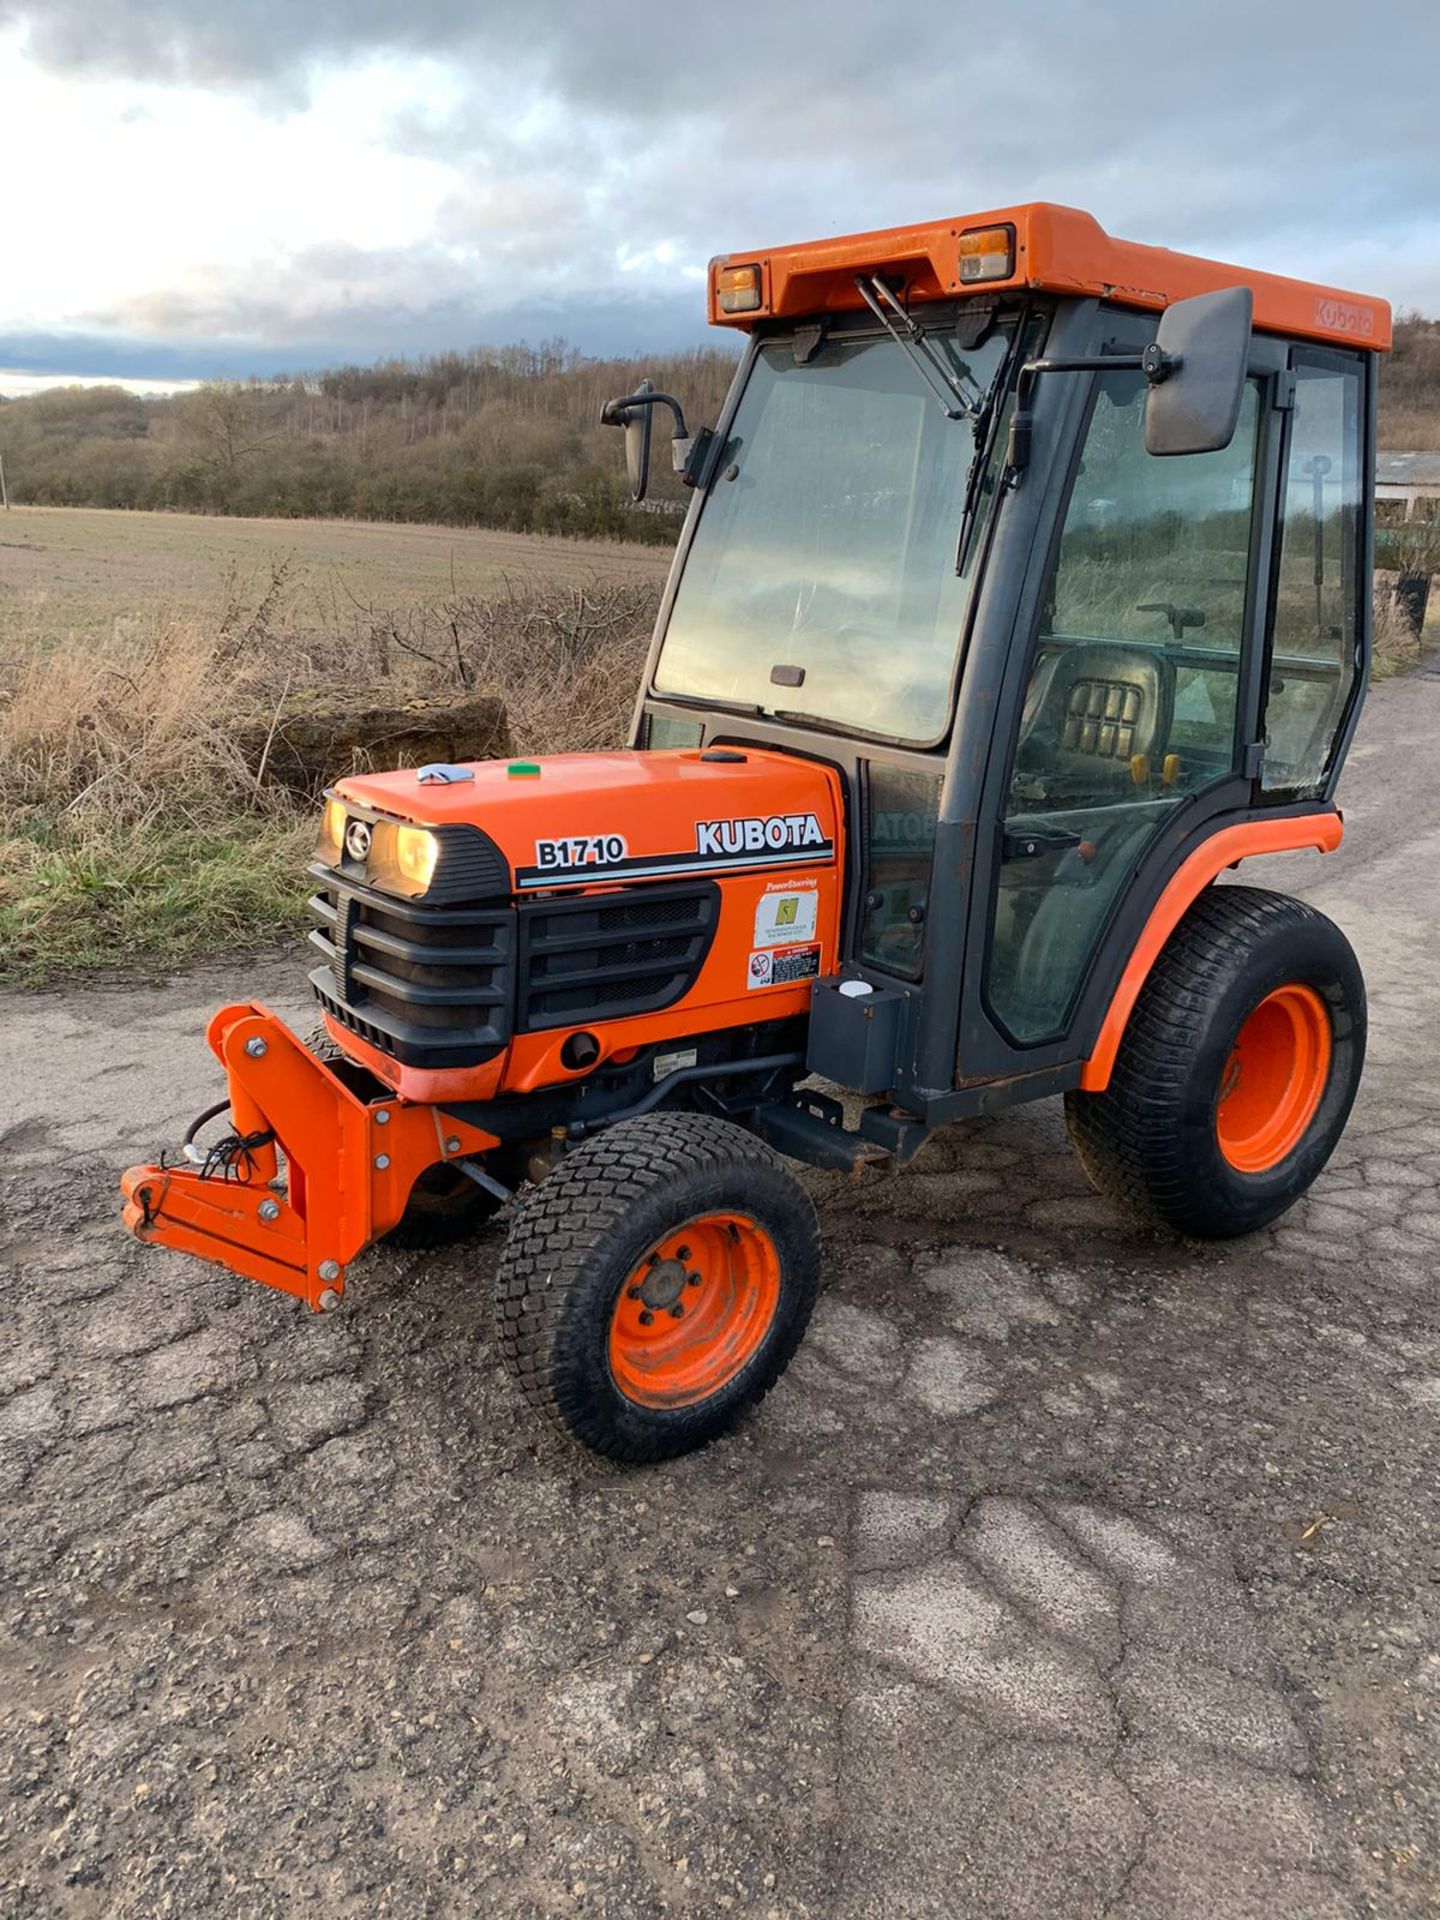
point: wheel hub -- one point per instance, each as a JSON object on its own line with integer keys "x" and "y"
{"x": 695, "y": 1312}
{"x": 664, "y": 1283}
{"x": 1274, "y": 1079}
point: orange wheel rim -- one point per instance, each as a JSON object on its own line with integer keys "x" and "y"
{"x": 1274, "y": 1079}
{"x": 695, "y": 1311}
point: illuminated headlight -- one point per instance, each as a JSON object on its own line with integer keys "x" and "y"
{"x": 402, "y": 859}
{"x": 453, "y": 861}
{"x": 332, "y": 833}
{"x": 987, "y": 253}
{"x": 396, "y": 859}
{"x": 391, "y": 855}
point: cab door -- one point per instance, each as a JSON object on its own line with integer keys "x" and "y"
{"x": 1136, "y": 704}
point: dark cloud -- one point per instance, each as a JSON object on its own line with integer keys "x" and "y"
{"x": 605, "y": 147}
{"x": 202, "y": 342}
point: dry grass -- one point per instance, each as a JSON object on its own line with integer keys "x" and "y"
{"x": 67, "y": 572}
{"x": 132, "y": 824}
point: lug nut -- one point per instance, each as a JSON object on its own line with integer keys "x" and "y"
{"x": 632, "y": 1293}
{"x": 692, "y": 1279}
{"x": 647, "y": 1319}
{"x": 677, "y": 1312}
{"x": 256, "y": 1048}
{"x": 269, "y": 1210}
{"x": 682, "y": 1253}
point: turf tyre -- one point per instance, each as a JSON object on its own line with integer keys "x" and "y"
{"x": 1150, "y": 1142}
{"x": 576, "y": 1241}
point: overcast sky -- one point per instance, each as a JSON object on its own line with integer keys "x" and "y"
{"x": 227, "y": 186}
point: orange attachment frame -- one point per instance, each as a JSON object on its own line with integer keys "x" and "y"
{"x": 336, "y": 1176}
{"x": 1057, "y": 250}
{"x": 1223, "y": 849}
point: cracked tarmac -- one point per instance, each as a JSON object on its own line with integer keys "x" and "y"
{"x": 1072, "y": 1570}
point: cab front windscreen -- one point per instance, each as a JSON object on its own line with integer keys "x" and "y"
{"x": 821, "y": 582}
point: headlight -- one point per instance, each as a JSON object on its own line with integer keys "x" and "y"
{"x": 402, "y": 859}
{"x": 416, "y": 852}
{"x": 332, "y": 833}
{"x": 452, "y": 862}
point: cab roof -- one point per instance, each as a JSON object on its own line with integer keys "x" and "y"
{"x": 1057, "y": 250}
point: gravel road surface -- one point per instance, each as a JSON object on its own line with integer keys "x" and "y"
{"x": 1072, "y": 1570}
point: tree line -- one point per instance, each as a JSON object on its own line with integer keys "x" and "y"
{"x": 506, "y": 437}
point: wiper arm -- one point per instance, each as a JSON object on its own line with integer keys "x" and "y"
{"x": 942, "y": 381}
{"x": 747, "y": 709}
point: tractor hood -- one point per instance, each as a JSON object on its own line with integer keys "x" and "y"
{"x": 577, "y": 818}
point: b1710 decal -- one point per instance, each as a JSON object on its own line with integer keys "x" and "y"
{"x": 721, "y": 846}
{"x": 580, "y": 850}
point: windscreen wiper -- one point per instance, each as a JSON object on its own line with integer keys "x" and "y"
{"x": 984, "y": 430}
{"x": 942, "y": 380}
{"x": 746, "y": 709}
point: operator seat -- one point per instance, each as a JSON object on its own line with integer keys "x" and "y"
{"x": 1094, "y": 730}
{"x": 1091, "y": 710}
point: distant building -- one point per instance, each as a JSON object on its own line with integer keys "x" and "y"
{"x": 1412, "y": 481}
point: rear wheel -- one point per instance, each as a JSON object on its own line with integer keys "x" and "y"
{"x": 655, "y": 1286}
{"x": 1237, "y": 1071}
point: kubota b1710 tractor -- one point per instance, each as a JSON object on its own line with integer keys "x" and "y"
{"x": 1023, "y": 591}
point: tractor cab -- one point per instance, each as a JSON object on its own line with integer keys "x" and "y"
{"x": 1023, "y": 591}
{"x": 1057, "y": 548}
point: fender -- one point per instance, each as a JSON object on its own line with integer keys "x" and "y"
{"x": 1223, "y": 849}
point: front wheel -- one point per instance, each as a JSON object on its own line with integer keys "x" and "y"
{"x": 1237, "y": 1070}
{"x": 655, "y": 1286}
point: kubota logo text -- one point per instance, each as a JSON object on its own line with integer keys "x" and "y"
{"x": 752, "y": 835}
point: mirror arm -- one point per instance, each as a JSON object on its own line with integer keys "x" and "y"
{"x": 1155, "y": 365}
{"x": 616, "y": 413}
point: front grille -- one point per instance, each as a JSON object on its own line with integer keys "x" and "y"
{"x": 605, "y": 956}
{"x": 429, "y": 985}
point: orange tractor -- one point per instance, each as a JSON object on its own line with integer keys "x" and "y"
{"x": 1023, "y": 590}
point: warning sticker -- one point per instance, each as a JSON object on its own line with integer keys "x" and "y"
{"x": 782, "y": 966}
{"x": 786, "y": 917}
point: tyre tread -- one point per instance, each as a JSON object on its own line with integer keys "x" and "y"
{"x": 1128, "y": 1138}
{"x": 569, "y": 1221}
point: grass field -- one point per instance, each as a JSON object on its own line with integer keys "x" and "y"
{"x": 138, "y": 649}
{"x": 78, "y": 570}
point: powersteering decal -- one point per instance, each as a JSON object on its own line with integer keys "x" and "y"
{"x": 721, "y": 846}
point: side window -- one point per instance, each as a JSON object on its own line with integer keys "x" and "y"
{"x": 1132, "y": 698}
{"x": 900, "y": 846}
{"x": 1314, "y": 636}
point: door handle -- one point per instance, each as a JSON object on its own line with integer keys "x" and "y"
{"x": 1031, "y": 843}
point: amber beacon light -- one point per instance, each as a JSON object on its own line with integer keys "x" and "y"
{"x": 987, "y": 254}
{"x": 737, "y": 289}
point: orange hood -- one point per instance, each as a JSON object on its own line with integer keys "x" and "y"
{"x": 576, "y": 819}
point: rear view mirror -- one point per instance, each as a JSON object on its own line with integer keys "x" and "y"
{"x": 1197, "y": 372}
{"x": 634, "y": 413}
{"x": 638, "y": 423}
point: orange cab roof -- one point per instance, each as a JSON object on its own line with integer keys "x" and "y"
{"x": 1057, "y": 249}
